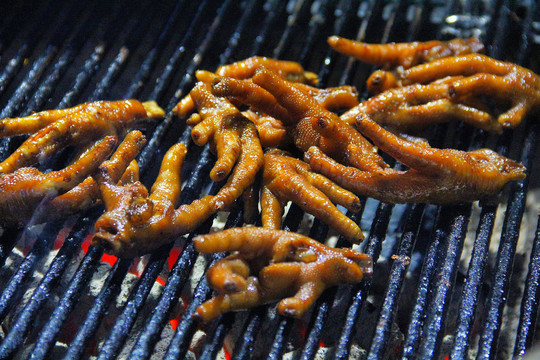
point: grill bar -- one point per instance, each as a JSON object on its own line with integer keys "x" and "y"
{"x": 402, "y": 259}
{"x": 505, "y": 255}
{"x": 39, "y": 66}
{"x": 529, "y": 305}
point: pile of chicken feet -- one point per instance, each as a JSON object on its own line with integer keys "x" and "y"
{"x": 278, "y": 138}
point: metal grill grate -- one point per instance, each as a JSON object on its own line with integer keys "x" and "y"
{"x": 439, "y": 302}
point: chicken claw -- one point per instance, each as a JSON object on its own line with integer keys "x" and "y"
{"x": 26, "y": 189}
{"x": 137, "y": 222}
{"x": 413, "y": 107}
{"x": 290, "y": 70}
{"x": 226, "y": 128}
{"x": 395, "y": 57}
{"x": 288, "y": 179}
{"x": 122, "y": 168}
{"x": 436, "y": 176}
{"x": 270, "y": 265}
{"x": 478, "y": 75}
{"x": 82, "y": 124}
{"x": 406, "y": 55}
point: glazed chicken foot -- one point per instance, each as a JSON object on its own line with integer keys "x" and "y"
{"x": 27, "y": 189}
{"x": 289, "y": 179}
{"x": 342, "y": 142}
{"x": 274, "y": 265}
{"x": 414, "y": 107}
{"x": 137, "y": 221}
{"x": 436, "y": 176}
{"x": 83, "y": 124}
{"x": 477, "y": 75}
{"x": 404, "y": 55}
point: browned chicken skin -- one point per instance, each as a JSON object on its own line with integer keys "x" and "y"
{"x": 270, "y": 265}
{"x": 289, "y": 179}
{"x": 80, "y": 125}
{"x": 436, "y": 176}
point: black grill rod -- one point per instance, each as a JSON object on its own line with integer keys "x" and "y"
{"x": 380, "y": 339}
{"x": 475, "y": 276}
{"x": 400, "y": 266}
{"x": 133, "y": 37}
{"x": 126, "y": 319}
{"x": 529, "y": 305}
{"x": 285, "y": 323}
{"x": 21, "y": 325}
{"x": 301, "y": 7}
{"x": 315, "y": 24}
{"x": 479, "y": 255}
{"x": 179, "y": 345}
{"x": 70, "y": 249}
{"x": 151, "y": 57}
{"x": 32, "y": 78}
{"x": 31, "y": 38}
{"x": 235, "y": 37}
{"x": 255, "y": 315}
{"x": 159, "y": 132}
{"x": 372, "y": 11}
{"x": 37, "y": 300}
{"x": 7, "y": 296}
{"x": 438, "y": 308}
{"x": 358, "y": 293}
{"x": 319, "y": 232}
{"x": 64, "y": 60}
{"x": 212, "y": 349}
{"x": 505, "y": 255}
{"x": 87, "y": 70}
{"x": 273, "y": 8}
{"x": 437, "y": 313}
{"x": 13, "y": 15}
{"x": 20, "y": 96}
{"x": 345, "y": 13}
{"x": 93, "y": 62}
{"x": 149, "y": 333}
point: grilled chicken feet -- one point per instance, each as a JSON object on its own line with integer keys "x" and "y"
{"x": 436, "y": 176}
{"x": 340, "y": 140}
{"x": 289, "y": 179}
{"x": 137, "y": 222}
{"x": 80, "y": 125}
{"x": 414, "y": 107}
{"x": 405, "y": 55}
{"x": 27, "y": 189}
{"x": 270, "y": 265}
{"x": 476, "y": 76}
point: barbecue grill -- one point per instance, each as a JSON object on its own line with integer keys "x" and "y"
{"x": 452, "y": 282}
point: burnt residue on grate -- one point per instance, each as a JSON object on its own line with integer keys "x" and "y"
{"x": 447, "y": 279}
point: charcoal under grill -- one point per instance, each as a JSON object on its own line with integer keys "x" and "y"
{"x": 452, "y": 282}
